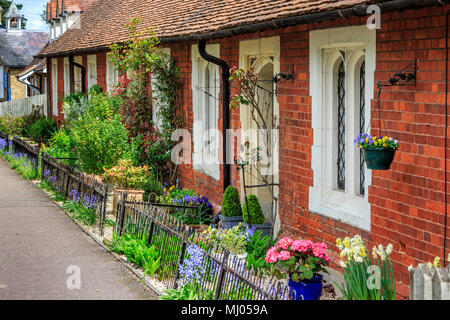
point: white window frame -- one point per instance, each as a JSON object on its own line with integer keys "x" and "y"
{"x": 92, "y": 70}
{"x": 205, "y": 159}
{"x": 156, "y": 102}
{"x": 327, "y": 47}
{"x": 55, "y": 86}
{"x": 77, "y": 75}
{"x": 112, "y": 74}
{"x": 66, "y": 77}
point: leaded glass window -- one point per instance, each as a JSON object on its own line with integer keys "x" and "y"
{"x": 362, "y": 123}
{"x": 341, "y": 127}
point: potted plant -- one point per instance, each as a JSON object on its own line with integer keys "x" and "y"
{"x": 378, "y": 152}
{"x": 254, "y": 216}
{"x": 302, "y": 261}
{"x": 127, "y": 179}
{"x": 231, "y": 214}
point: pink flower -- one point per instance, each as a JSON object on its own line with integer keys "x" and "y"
{"x": 300, "y": 246}
{"x": 272, "y": 255}
{"x": 284, "y": 243}
{"x": 284, "y": 255}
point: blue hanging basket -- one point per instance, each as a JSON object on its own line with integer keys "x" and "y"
{"x": 306, "y": 289}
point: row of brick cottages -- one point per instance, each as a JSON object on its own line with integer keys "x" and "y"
{"x": 403, "y": 206}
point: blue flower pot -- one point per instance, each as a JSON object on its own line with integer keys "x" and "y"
{"x": 306, "y": 289}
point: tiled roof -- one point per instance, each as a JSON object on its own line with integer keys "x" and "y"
{"x": 13, "y": 12}
{"x": 36, "y": 65}
{"x": 103, "y": 23}
{"x": 18, "y": 48}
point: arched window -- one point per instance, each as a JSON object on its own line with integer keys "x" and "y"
{"x": 340, "y": 88}
{"x": 362, "y": 124}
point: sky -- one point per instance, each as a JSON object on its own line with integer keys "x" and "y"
{"x": 32, "y": 10}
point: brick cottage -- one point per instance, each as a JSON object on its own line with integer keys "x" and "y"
{"x": 323, "y": 188}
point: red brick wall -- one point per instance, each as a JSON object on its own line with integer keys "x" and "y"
{"x": 406, "y": 201}
{"x": 101, "y": 70}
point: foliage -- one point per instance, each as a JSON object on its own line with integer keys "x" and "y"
{"x": 152, "y": 187}
{"x": 234, "y": 239}
{"x": 140, "y": 56}
{"x": 254, "y": 213}
{"x": 137, "y": 252}
{"x": 125, "y": 175}
{"x": 256, "y": 250}
{"x": 50, "y": 184}
{"x": 100, "y": 144}
{"x": 192, "y": 271}
{"x": 12, "y": 126}
{"x": 61, "y": 146}
{"x": 300, "y": 259}
{"x": 82, "y": 207}
{"x": 18, "y": 162}
{"x": 187, "y": 292}
{"x": 75, "y": 106}
{"x": 231, "y": 204}
{"x": 358, "y": 269}
{"x": 368, "y": 142}
{"x": 41, "y": 130}
{"x": 201, "y": 212}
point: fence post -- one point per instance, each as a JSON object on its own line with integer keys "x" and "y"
{"x": 150, "y": 232}
{"x": 103, "y": 214}
{"x": 222, "y": 275}
{"x": 122, "y": 216}
{"x": 180, "y": 260}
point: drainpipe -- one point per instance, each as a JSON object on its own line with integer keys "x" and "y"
{"x": 83, "y": 75}
{"x": 225, "y": 106}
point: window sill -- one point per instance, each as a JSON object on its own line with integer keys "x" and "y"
{"x": 349, "y": 208}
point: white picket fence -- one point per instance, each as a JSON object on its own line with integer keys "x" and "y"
{"x": 22, "y": 107}
{"x": 427, "y": 283}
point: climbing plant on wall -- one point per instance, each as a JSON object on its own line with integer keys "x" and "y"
{"x": 136, "y": 59}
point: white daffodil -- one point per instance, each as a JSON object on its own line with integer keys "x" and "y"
{"x": 389, "y": 249}
{"x": 342, "y": 264}
{"x": 410, "y": 267}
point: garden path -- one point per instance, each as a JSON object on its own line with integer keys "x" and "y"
{"x": 42, "y": 250}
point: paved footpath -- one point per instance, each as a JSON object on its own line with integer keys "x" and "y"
{"x": 38, "y": 243}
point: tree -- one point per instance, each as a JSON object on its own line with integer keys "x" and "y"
{"x": 5, "y": 4}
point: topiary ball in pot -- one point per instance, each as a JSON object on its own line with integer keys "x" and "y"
{"x": 254, "y": 210}
{"x": 231, "y": 204}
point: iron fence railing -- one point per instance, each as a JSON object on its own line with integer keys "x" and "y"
{"x": 70, "y": 181}
{"x": 223, "y": 276}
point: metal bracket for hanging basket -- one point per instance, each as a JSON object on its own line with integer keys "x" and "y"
{"x": 405, "y": 77}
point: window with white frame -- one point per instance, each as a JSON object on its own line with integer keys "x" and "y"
{"x": 112, "y": 74}
{"x": 205, "y": 97}
{"x": 92, "y": 70}
{"x": 55, "y": 86}
{"x": 156, "y": 101}
{"x": 78, "y": 83}
{"x": 66, "y": 77}
{"x": 342, "y": 67}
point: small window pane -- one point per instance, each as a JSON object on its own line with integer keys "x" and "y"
{"x": 341, "y": 127}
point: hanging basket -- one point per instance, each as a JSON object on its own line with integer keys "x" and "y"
{"x": 379, "y": 159}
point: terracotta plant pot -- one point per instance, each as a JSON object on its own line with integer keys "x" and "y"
{"x": 133, "y": 195}
{"x": 379, "y": 159}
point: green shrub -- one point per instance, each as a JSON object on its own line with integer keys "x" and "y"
{"x": 231, "y": 204}
{"x": 102, "y": 105}
{"x": 41, "y": 130}
{"x": 12, "y": 126}
{"x": 254, "y": 211}
{"x": 100, "y": 144}
{"x": 61, "y": 146}
{"x": 75, "y": 106}
{"x": 152, "y": 186}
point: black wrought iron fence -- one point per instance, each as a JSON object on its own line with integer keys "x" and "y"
{"x": 75, "y": 185}
{"x": 216, "y": 273}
